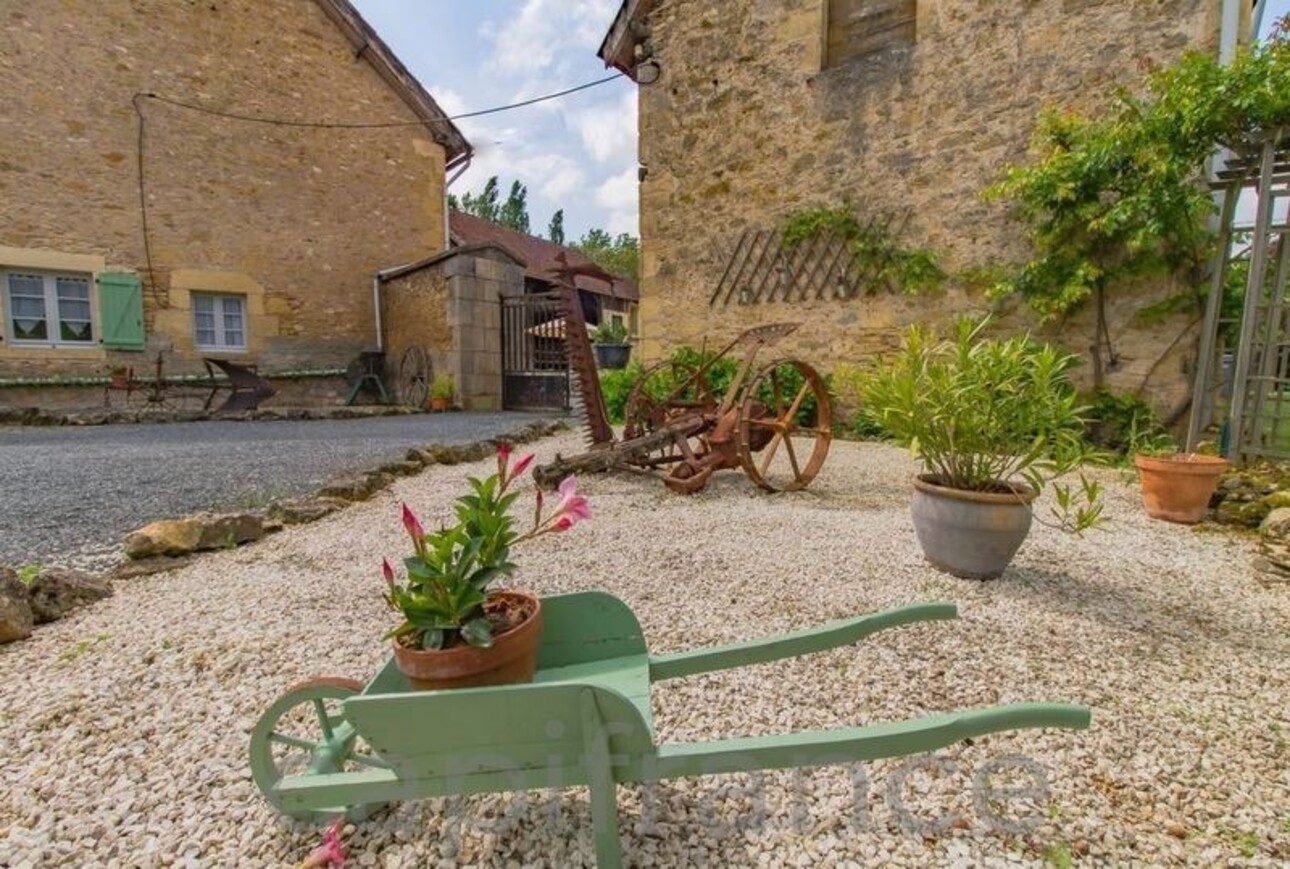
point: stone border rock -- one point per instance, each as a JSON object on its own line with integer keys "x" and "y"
{"x": 35, "y": 416}
{"x": 173, "y": 543}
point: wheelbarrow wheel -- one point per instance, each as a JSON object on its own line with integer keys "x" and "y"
{"x": 304, "y": 732}
{"x": 785, "y": 426}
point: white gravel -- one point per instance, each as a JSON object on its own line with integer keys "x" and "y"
{"x": 124, "y": 728}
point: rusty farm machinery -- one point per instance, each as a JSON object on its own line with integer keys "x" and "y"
{"x": 773, "y": 420}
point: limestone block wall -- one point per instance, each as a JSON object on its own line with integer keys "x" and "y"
{"x": 298, "y": 217}
{"x": 451, "y": 307}
{"x": 745, "y": 128}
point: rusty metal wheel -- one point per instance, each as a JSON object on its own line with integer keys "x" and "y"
{"x": 785, "y": 426}
{"x": 304, "y": 732}
{"x": 414, "y": 377}
{"x": 664, "y": 392}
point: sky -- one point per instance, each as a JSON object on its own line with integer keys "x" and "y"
{"x": 577, "y": 152}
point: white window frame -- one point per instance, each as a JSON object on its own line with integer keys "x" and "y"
{"x": 53, "y": 313}
{"x": 219, "y": 303}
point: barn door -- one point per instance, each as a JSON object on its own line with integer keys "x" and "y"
{"x": 535, "y": 358}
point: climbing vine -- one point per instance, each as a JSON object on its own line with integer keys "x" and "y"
{"x": 1122, "y": 195}
{"x": 884, "y": 262}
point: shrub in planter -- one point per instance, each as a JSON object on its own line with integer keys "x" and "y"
{"x": 992, "y": 422}
{"x": 612, "y": 348}
{"x": 442, "y": 392}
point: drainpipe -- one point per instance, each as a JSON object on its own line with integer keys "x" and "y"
{"x": 380, "y": 275}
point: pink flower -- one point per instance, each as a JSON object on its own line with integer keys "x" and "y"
{"x": 564, "y": 523}
{"x": 415, "y": 531}
{"x": 571, "y": 503}
{"x": 388, "y": 572}
{"x": 503, "y": 459}
{"x": 521, "y": 466}
{"x": 331, "y": 852}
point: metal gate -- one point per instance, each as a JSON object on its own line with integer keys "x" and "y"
{"x": 535, "y": 357}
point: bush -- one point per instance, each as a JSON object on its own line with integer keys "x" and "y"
{"x": 847, "y": 384}
{"x": 982, "y": 413}
{"x": 615, "y": 386}
{"x": 1125, "y": 424}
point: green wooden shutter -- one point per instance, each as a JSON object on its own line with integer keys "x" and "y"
{"x": 121, "y": 309}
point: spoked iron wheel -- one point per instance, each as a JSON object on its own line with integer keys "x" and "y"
{"x": 414, "y": 377}
{"x": 664, "y": 391}
{"x": 304, "y": 732}
{"x": 785, "y": 426}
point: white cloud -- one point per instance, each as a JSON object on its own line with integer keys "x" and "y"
{"x": 544, "y": 30}
{"x": 618, "y": 194}
{"x": 608, "y": 131}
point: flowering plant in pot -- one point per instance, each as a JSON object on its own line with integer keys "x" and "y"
{"x": 456, "y": 632}
{"x": 992, "y": 422}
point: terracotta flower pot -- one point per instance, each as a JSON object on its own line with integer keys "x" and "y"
{"x": 970, "y": 534}
{"x": 439, "y": 405}
{"x": 1177, "y": 488}
{"x": 512, "y": 659}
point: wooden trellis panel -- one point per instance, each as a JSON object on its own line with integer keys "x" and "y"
{"x": 762, "y": 269}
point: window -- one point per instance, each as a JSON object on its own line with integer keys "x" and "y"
{"x": 219, "y": 322}
{"x": 49, "y": 309}
{"x": 858, "y": 28}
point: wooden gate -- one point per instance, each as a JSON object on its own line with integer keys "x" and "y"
{"x": 535, "y": 357}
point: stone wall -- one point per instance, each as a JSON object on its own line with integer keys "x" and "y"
{"x": 744, "y": 128}
{"x": 297, "y": 218}
{"x": 451, "y": 307}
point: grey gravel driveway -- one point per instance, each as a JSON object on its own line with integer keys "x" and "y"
{"x": 69, "y": 495}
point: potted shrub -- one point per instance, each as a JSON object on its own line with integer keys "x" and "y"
{"x": 612, "y": 348}
{"x": 455, "y": 631}
{"x": 1177, "y": 486}
{"x": 442, "y": 391}
{"x": 991, "y": 421}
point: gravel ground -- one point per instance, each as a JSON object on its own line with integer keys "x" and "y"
{"x": 125, "y": 726}
{"x": 71, "y": 494}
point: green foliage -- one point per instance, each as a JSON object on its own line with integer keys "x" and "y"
{"x": 514, "y": 212}
{"x": 612, "y": 331}
{"x": 619, "y": 255}
{"x": 1122, "y": 195}
{"x": 847, "y": 384}
{"x": 487, "y": 204}
{"x": 1125, "y": 424}
{"x": 885, "y": 262}
{"x": 442, "y": 387}
{"x": 720, "y": 373}
{"x": 981, "y": 413}
{"x": 1059, "y": 856}
{"x": 555, "y": 231}
{"x": 450, "y": 570}
{"x": 615, "y": 386}
{"x": 28, "y": 572}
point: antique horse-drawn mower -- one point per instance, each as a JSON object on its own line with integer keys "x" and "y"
{"x": 774, "y": 421}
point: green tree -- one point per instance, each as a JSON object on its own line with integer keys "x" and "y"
{"x": 555, "y": 231}
{"x": 1122, "y": 195}
{"x": 514, "y": 212}
{"x": 618, "y": 255}
{"x": 483, "y": 204}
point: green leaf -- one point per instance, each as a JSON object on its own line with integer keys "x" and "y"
{"x": 478, "y": 632}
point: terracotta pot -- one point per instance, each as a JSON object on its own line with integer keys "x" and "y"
{"x": 511, "y": 659}
{"x": 1177, "y": 488}
{"x": 439, "y": 405}
{"x": 970, "y": 534}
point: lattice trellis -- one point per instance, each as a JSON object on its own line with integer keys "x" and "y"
{"x": 763, "y": 269}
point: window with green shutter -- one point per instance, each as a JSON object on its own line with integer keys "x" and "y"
{"x": 121, "y": 309}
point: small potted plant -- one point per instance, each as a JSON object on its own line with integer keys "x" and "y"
{"x": 1177, "y": 486}
{"x": 442, "y": 391}
{"x": 991, "y": 421}
{"x": 456, "y": 632}
{"x": 612, "y": 348}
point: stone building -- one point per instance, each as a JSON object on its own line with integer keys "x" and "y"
{"x": 907, "y": 109}
{"x": 147, "y": 211}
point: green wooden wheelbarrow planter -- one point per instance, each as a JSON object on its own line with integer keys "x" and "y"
{"x": 584, "y": 720}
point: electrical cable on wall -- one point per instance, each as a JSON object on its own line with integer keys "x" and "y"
{"x": 280, "y": 122}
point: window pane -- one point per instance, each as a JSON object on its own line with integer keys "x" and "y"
{"x": 233, "y": 338}
{"x": 203, "y": 304}
{"x": 206, "y": 337}
{"x": 27, "y": 307}
{"x": 75, "y": 330}
{"x": 73, "y": 289}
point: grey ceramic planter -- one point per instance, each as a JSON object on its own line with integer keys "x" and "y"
{"x": 613, "y": 355}
{"x": 970, "y": 534}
